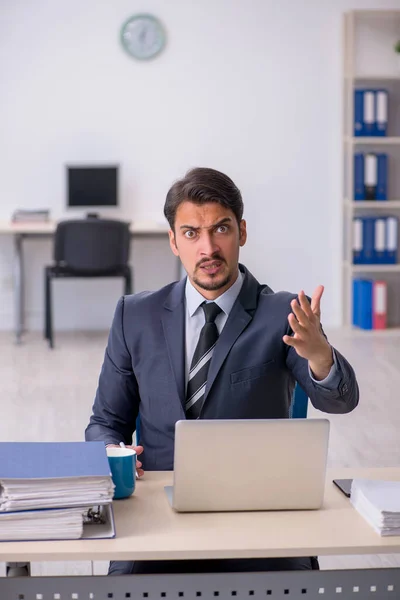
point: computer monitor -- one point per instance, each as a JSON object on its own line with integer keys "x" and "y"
{"x": 92, "y": 186}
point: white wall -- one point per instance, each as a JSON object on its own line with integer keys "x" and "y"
{"x": 252, "y": 88}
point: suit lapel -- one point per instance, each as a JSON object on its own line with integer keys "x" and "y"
{"x": 240, "y": 316}
{"x": 173, "y": 322}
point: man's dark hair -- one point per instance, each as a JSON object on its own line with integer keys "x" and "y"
{"x": 202, "y": 185}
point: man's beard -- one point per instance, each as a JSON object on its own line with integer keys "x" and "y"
{"x": 212, "y": 286}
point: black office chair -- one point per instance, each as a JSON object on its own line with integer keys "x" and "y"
{"x": 87, "y": 248}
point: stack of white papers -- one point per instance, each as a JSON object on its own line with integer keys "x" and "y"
{"x": 19, "y": 494}
{"x": 62, "y": 524}
{"x": 379, "y": 503}
{"x": 30, "y": 216}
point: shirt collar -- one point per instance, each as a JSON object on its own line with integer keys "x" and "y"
{"x": 225, "y": 301}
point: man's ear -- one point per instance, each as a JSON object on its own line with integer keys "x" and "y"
{"x": 172, "y": 242}
{"x": 242, "y": 232}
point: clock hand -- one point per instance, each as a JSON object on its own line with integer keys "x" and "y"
{"x": 142, "y": 36}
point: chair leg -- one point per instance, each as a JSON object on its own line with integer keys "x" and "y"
{"x": 314, "y": 563}
{"x": 128, "y": 281}
{"x": 49, "y": 311}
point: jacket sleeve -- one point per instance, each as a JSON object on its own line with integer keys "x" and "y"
{"x": 342, "y": 393}
{"x": 116, "y": 404}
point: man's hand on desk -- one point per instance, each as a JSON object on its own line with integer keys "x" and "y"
{"x": 138, "y": 450}
{"x": 308, "y": 339}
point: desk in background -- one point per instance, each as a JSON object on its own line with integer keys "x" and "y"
{"x": 148, "y": 529}
{"x": 22, "y": 231}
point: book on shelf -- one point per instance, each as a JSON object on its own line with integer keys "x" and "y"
{"x": 370, "y": 176}
{"x": 30, "y": 216}
{"x": 370, "y": 112}
{"x": 369, "y": 304}
{"x": 375, "y": 240}
{"x": 381, "y": 112}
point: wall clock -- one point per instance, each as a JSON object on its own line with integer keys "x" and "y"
{"x": 143, "y": 36}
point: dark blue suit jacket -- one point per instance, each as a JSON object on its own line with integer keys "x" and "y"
{"x": 252, "y": 373}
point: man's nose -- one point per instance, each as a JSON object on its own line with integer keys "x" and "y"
{"x": 208, "y": 244}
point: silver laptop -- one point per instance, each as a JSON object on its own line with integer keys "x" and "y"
{"x": 239, "y": 465}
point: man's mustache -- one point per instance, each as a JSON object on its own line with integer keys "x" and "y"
{"x": 206, "y": 260}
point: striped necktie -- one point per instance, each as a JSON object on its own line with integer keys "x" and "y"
{"x": 201, "y": 361}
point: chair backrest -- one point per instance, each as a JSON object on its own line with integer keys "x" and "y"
{"x": 138, "y": 430}
{"x": 92, "y": 245}
{"x": 299, "y": 407}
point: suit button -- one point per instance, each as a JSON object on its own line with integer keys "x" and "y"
{"x": 344, "y": 388}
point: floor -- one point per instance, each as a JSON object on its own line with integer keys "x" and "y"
{"x": 47, "y": 395}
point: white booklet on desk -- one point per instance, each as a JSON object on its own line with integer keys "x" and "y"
{"x": 379, "y": 503}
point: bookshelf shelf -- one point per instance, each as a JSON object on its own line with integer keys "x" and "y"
{"x": 374, "y": 141}
{"x": 373, "y": 268}
{"x": 369, "y": 61}
{"x": 372, "y": 78}
{"x": 373, "y": 204}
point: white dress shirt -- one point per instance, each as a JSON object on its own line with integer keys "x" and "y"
{"x": 195, "y": 317}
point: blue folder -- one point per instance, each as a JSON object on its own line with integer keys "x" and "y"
{"x": 45, "y": 460}
{"x": 359, "y": 189}
{"x": 392, "y": 224}
{"x": 59, "y": 460}
{"x": 365, "y": 303}
{"x": 370, "y": 175}
{"x": 381, "y": 191}
{"x": 362, "y": 303}
{"x": 358, "y": 241}
{"x": 381, "y": 112}
{"x": 368, "y": 251}
{"x": 380, "y": 228}
{"x": 359, "y": 113}
{"x": 356, "y": 299}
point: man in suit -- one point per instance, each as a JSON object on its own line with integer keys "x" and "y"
{"x": 216, "y": 345}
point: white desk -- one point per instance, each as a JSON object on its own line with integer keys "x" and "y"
{"x": 147, "y": 228}
{"x": 148, "y": 529}
{"x": 21, "y": 231}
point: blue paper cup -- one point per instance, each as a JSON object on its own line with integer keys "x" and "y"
{"x": 123, "y": 470}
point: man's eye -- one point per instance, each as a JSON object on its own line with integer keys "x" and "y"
{"x": 222, "y": 229}
{"x": 190, "y": 234}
